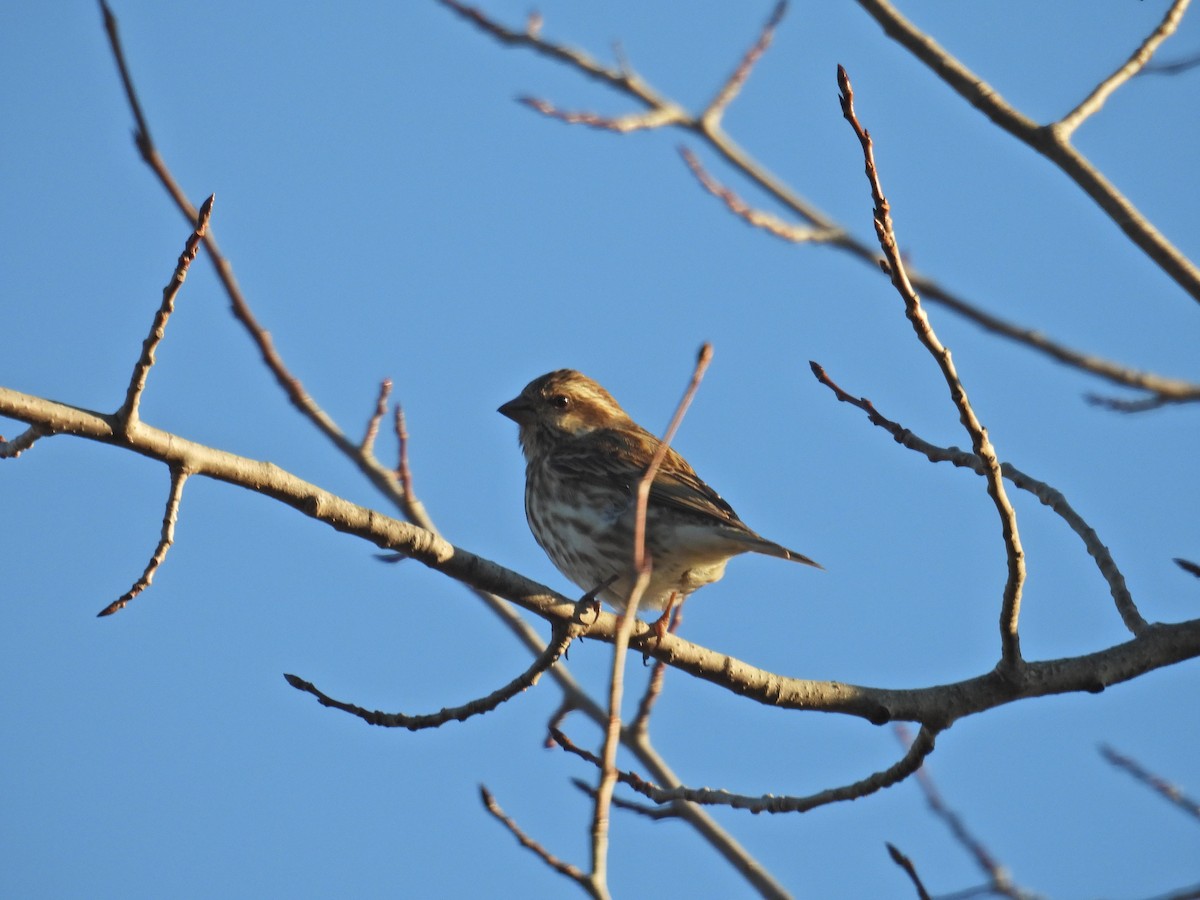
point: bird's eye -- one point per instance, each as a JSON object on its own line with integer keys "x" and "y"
{"x": 560, "y": 401}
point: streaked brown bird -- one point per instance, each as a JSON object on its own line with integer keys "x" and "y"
{"x": 584, "y": 458}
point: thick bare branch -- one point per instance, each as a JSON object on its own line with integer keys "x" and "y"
{"x": 1156, "y": 647}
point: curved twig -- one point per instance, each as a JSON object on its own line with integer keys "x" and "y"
{"x": 563, "y": 635}
{"x": 982, "y": 445}
{"x": 179, "y": 475}
{"x": 772, "y": 803}
{"x": 1049, "y": 496}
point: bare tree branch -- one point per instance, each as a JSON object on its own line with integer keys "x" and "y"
{"x": 909, "y": 869}
{"x": 563, "y": 635}
{"x": 1158, "y": 646}
{"x": 982, "y": 445}
{"x": 565, "y": 868}
{"x": 715, "y": 111}
{"x": 825, "y": 230}
{"x": 1049, "y": 496}
{"x": 179, "y": 475}
{"x": 381, "y": 402}
{"x": 1052, "y": 141}
{"x": 771, "y": 803}
{"x": 1161, "y": 786}
{"x": 22, "y": 442}
{"x": 1092, "y": 103}
{"x": 127, "y": 415}
{"x": 999, "y": 879}
{"x": 642, "y": 565}
{"x": 383, "y": 479}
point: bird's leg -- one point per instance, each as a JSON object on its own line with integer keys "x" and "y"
{"x": 664, "y": 621}
{"x": 591, "y": 598}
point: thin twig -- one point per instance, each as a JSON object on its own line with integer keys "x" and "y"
{"x": 403, "y": 472}
{"x": 771, "y": 803}
{"x": 367, "y": 446}
{"x": 22, "y": 442}
{"x": 715, "y": 110}
{"x": 565, "y": 868}
{"x": 642, "y": 565}
{"x": 907, "y": 865}
{"x": 654, "y": 118}
{"x": 790, "y": 232}
{"x": 1091, "y": 104}
{"x": 554, "y": 649}
{"x": 640, "y": 723}
{"x": 980, "y": 443}
{"x": 1188, "y": 566}
{"x": 1049, "y": 496}
{"x": 179, "y": 475}
{"x": 999, "y": 879}
{"x": 654, "y": 813}
{"x": 1159, "y": 785}
{"x": 127, "y": 415}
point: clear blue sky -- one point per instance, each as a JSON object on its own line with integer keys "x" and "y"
{"x": 390, "y": 211}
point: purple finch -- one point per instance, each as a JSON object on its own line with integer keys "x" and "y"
{"x": 584, "y": 458}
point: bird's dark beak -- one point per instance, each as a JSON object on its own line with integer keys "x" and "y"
{"x": 517, "y": 409}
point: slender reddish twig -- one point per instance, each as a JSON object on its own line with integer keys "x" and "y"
{"x": 639, "y": 725}
{"x": 642, "y": 566}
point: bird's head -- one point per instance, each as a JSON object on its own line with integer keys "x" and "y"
{"x": 559, "y": 406}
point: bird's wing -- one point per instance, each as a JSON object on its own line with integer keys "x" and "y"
{"x": 617, "y": 459}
